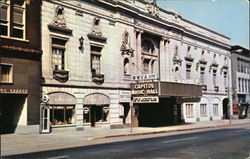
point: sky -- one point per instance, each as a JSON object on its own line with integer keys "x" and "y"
{"x": 228, "y": 17}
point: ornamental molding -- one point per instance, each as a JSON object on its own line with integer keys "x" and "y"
{"x": 59, "y": 22}
{"x": 152, "y": 8}
{"x": 126, "y": 47}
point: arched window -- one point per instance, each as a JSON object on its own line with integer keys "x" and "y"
{"x": 126, "y": 66}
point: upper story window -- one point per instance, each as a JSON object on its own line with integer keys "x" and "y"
{"x": 188, "y": 71}
{"x": 126, "y": 67}
{"x": 202, "y": 76}
{"x": 6, "y": 73}
{"x": 214, "y": 77}
{"x": 96, "y": 59}
{"x": 12, "y": 18}
{"x": 146, "y": 65}
{"x": 149, "y": 56}
{"x": 58, "y": 54}
{"x": 147, "y": 47}
{"x": 239, "y": 84}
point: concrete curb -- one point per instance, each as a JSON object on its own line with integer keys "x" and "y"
{"x": 164, "y": 131}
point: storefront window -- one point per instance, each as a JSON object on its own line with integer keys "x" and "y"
{"x": 92, "y": 114}
{"x": 62, "y": 115}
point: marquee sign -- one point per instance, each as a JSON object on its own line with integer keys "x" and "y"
{"x": 145, "y": 99}
{"x": 145, "y": 77}
{"x": 144, "y": 89}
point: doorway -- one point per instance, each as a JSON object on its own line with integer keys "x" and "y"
{"x": 225, "y": 108}
{"x": 98, "y": 114}
{"x": 11, "y": 106}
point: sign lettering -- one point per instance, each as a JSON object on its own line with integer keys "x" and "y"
{"x": 145, "y": 99}
{"x": 13, "y": 91}
{"x": 144, "y": 89}
{"x": 145, "y": 77}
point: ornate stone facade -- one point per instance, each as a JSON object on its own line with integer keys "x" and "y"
{"x": 117, "y": 45}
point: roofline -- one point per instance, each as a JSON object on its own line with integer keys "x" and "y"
{"x": 184, "y": 19}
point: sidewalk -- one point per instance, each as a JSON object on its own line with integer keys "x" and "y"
{"x": 18, "y": 144}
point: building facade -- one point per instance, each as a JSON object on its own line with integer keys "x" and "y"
{"x": 92, "y": 49}
{"x": 240, "y": 80}
{"x": 20, "y": 65}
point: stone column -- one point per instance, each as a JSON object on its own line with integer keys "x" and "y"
{"x": 79, "y": 112}
{"x": 162, "y": 56}
{"x": 138, "y": 51}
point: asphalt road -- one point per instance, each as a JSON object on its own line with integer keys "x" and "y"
{"x": 223, "y": 143}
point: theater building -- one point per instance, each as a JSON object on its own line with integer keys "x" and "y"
{"x": 92, "y": 50}
{"x": 20, "y": 67}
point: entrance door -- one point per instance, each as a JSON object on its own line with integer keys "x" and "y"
{"x": 96, "y": 115}
{"x": 45, "y": 119}
{"x": 225, "y": 108}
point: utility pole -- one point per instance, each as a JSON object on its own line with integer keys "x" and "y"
{"x": 228, "y": 93}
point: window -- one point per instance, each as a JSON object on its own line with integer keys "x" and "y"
{"x": 225, "y": 79}
{"x": 6, "y": 73}
{"x": 202, "y": 75}
{"x": 203, "y": 110}
{"x": 242, "y": 84}
{"x": 126, "y": 68}
{"x": 238, "y": 64}
{"x": 96, "y": 59}
{"x": 62, "y": 115}
{"x": 246, "y": 85}
{"x": 216, "y": 109}
{"x": 176, "y": 51}
{"x": 92, "y": 114}
{"x": 249, "y": 86}
{"x": 214, "y": 77}
{"x": 58, "y": 54}
{"x": 146, "y": 65}
{"x": 148, "y": 56}
{"x": 12, "y": 18}
{"x": 147, "y": 47}
{"x": 239, "y": 84}
{"x": 189, "y": 110}
{"x": 188, "y": 71}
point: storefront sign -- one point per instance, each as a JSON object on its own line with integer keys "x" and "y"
{"x": 235, "y": 109}
{"x": 145, "y": 99}
{"x": 13, "y": 91}
{"x": 124, "y": 96}
{"x": 145, "y": 77}
{"x": 144, "y": 89}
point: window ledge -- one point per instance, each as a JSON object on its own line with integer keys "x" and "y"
{"x": 2, "y": 82}
{"x": 64, "y": 125}
{"x": 189, "y": 116}
{"x": 13, "y": 38}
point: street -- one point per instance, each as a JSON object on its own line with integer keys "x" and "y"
{"x": 227, "y": 142}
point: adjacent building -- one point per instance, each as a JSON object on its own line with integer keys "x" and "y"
{"x": 20, "y": 65}
{"x": 240, "y": 80}
{"x": 92, "y": 50}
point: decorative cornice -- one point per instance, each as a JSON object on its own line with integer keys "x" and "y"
{"x": 97, "y": 38}
{"x": 59, "y": 29}
{"x": 189, "y": 58}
